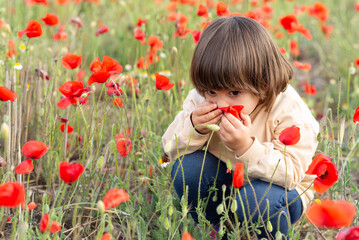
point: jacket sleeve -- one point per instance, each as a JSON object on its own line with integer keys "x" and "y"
{"x": 180, "y": 137}
{"x": 273, "y": 160}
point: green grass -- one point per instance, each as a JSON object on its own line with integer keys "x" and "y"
{"x": 154, "y": 210}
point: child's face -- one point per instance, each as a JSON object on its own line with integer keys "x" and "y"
{"x": 224, "y": 98}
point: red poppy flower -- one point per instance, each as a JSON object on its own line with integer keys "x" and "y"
{"x": 290, "y": 135}
{"x": 114, "y": 197}
{"x": 163, "y": 83}
{"x": 142, "y": 63}
{"x": 187, "y": 236}
{"x": 238, "y": 175}
{"x": 106, "y": 236}
{"x": 102, "y": 71}
{"x": 31, "y": 206}
{"x": 32, "y": 2}
{"x": 234, "y": 110}
{"x": 139, "y": 35}
{"x": 70, "y": 172}
{"x": 114, "y": 88}
{"x": 302, "y": 66}
{"x": 140, "y": 22}
{"x": 326, "y": 172}
{"x": 12, "y": 194}
{"x": 44, "y": 222}
{"x": 123, "y": 144}
{"x": 60, "y": 35}
{"x": 11, "y": 52}
{"x": 319, "y": 11}
{"x": 77, "y": 21}
{"x": 202, "y": 11}
{"x": 196, "y": 35}
{"x": 289, "y": 23}
{"x": 222, "y": 9}
{"x": 331, "y": 214}
{"x": 69, "y": 128}
{"x": 101, "y": 30}
{"x": 55, "y": 227}
{"x": 282, "y": 50}
{"x": 7, "y": 95}
{"x": 71, "y": 60}
{"x": 42, "y": 74}
{"x": 72, "y": 90}
{"x": 294, "y": 48}
{"x": 117, "y": 102}
{"x": 24, "y": 167}
{"x": 154, "y": 42}
{"x": 32, "y": 30}
{"x": 34, "y": 149}
{"x": 310, "y": 89}
{"x": 351, "y": 233}
{"x": 356, "y": 116}
{"x": 51, "y": 19}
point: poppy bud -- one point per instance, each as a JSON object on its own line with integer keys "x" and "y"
{"x": 269, "y": 226}
{"x": 278, "y": 235}
{"x": 215, "y": 198}
{"x": 166, "y": 224}
{"x": 170, "y": 210}
{"x": 213, "y": 127}
{"x": 101, "y": 206}
{"x": 5, "y": 130}
{"x": 234, "y": 206}
{"x": 220, "y": 209}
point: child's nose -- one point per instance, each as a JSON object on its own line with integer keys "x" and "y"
{"x": 221, "y": 103}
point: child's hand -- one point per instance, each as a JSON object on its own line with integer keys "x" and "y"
{"x": 235, "y": 134}
{"x": 206, "y": 113}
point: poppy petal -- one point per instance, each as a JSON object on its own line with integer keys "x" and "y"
{"x": 64, "y": 103}
{"x": 34, "y": 149}
{"x": 290, "y": 135}
{"x": 44, "y": 222}
{"x": 24, "y": 167}
{"x": 238, "y": 175}
{"x": 70, "y": 172}
{"x": 7, "y": 95}
{"x": 114, "y": 197}
{"x": 331, "y": 214}
{"x": 12, "y": 194}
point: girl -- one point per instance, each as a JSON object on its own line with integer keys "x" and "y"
{"x": 236, "y": 62}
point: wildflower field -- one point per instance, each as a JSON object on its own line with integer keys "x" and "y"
{"x": 88, "y": 87}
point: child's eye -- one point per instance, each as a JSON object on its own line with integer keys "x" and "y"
{"x": 234, "y": 93}
{"x": 211, "y": 93}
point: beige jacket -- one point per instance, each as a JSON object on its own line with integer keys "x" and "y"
{"x": 263, "y": 156}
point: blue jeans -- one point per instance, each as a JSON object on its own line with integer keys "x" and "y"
{"x": 215, "y": 174}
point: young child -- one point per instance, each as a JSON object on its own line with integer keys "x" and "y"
{"x": 236, "y": 62}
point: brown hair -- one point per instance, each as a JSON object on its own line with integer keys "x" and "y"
{"x": 238, "y": 53}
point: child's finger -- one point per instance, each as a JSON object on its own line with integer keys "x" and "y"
{"x": 226, "y": 123}
{"x": 233, "y": 120}
{"x": 246, "y": 120}
{"x": 202, "y": 110}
